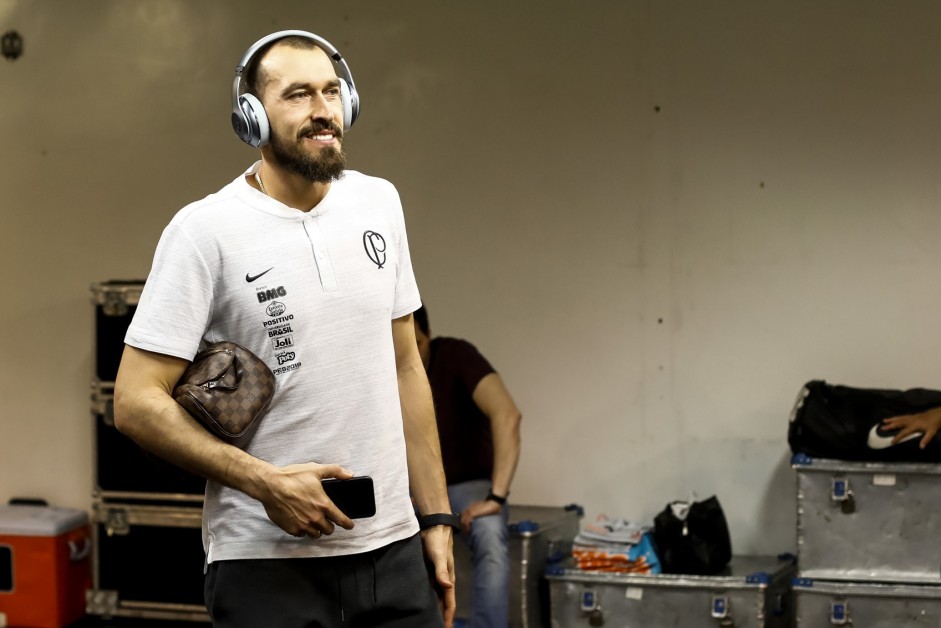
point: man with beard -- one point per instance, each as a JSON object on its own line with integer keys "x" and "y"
{"x": 306, "y": 264}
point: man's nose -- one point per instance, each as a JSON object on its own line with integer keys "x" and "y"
{"x": 321, "y": 108}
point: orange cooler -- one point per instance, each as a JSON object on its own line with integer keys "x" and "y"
{"x": 44, "y": 566}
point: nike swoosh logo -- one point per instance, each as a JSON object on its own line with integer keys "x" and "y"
{"x": 876, "y": 439}
{"x": 250, "y": 279}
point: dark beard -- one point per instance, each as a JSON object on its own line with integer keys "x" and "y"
{"x": 329, "y": 166}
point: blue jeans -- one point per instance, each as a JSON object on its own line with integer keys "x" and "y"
{"x": 488, "y": 540}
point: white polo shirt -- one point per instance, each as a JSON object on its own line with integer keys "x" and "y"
{"x": 313, "y": 295}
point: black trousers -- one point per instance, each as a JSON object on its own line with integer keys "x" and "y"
{"x": 388, "y": 587}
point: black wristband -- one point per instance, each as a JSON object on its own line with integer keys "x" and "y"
{"x": 439, "y": 519}
{"x": 496, "y": 498}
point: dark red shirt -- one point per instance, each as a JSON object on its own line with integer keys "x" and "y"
{"x": 454, "y": 370}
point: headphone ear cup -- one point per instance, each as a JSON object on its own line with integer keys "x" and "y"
{"x": 250, "y": 121}
{"x": 350, "y": 100}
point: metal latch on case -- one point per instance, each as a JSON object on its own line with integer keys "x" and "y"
{"x": 720, "y": 607}
{"x": 101, "y": 602}
{"x": 589, "y": 605}
{"x": 589, "y": 601}
{"x": 841, "y": 492}
{"x": 115, "y": 304}
{"x": 596, "y": 617}
{"x": 116, "y": 522}
{"x": 839, "y": 613}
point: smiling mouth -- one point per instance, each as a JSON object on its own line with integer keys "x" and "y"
{"x": 321, "y": 133}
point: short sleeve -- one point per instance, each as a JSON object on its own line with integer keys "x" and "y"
{"x": 176, "y": 303}
{"x": 407, "y": 297}
{"x": 473, "y": 366}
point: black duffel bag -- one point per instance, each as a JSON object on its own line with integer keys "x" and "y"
{"x": 693, "y": 538}
{"x": 845, "y": 423}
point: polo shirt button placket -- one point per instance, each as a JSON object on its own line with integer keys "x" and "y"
{"x": 318, "y": 245}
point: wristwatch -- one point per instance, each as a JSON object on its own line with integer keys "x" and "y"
{"x": 496, "y": 498}
{"x": 439, "y": 519}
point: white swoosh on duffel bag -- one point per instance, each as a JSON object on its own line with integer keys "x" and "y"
{"x": 878, "y": 441}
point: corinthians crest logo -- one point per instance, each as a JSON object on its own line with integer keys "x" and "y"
{"x": 375, "y": 246}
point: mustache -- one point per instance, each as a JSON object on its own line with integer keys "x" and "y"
{"x": 319, "y": 126}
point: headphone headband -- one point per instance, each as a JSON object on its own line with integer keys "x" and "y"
{"x": 251, "y": 125}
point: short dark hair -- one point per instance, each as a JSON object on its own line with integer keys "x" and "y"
{"x": 254, "y": 79}
{"x": 421, "y": 318}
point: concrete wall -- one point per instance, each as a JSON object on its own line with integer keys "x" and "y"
{"x": 658, "y": 219}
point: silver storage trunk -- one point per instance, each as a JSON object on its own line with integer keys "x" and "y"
{"x": 873, "y": 605}
{"x": 753, "y": 592}
{"x": 868, "y": 522}
{"x": 147, "y": 562}
{"x": 538, "y": 534}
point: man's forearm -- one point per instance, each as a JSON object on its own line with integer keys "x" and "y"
{"x": 423, "y": 449}
{"x": 506, "y": 452}
{"x": 158, "y": 424}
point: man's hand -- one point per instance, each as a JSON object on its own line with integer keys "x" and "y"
{"x": 439, "y": 553}
{"x": 927, "y": 423}
{"x": 296, "y": 502}
{"x": 482, "y": 508}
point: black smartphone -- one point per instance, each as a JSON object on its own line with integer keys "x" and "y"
{"x": 355, "y": 497}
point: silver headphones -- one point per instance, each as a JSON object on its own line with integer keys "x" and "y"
{"x": 248, "y": 114}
